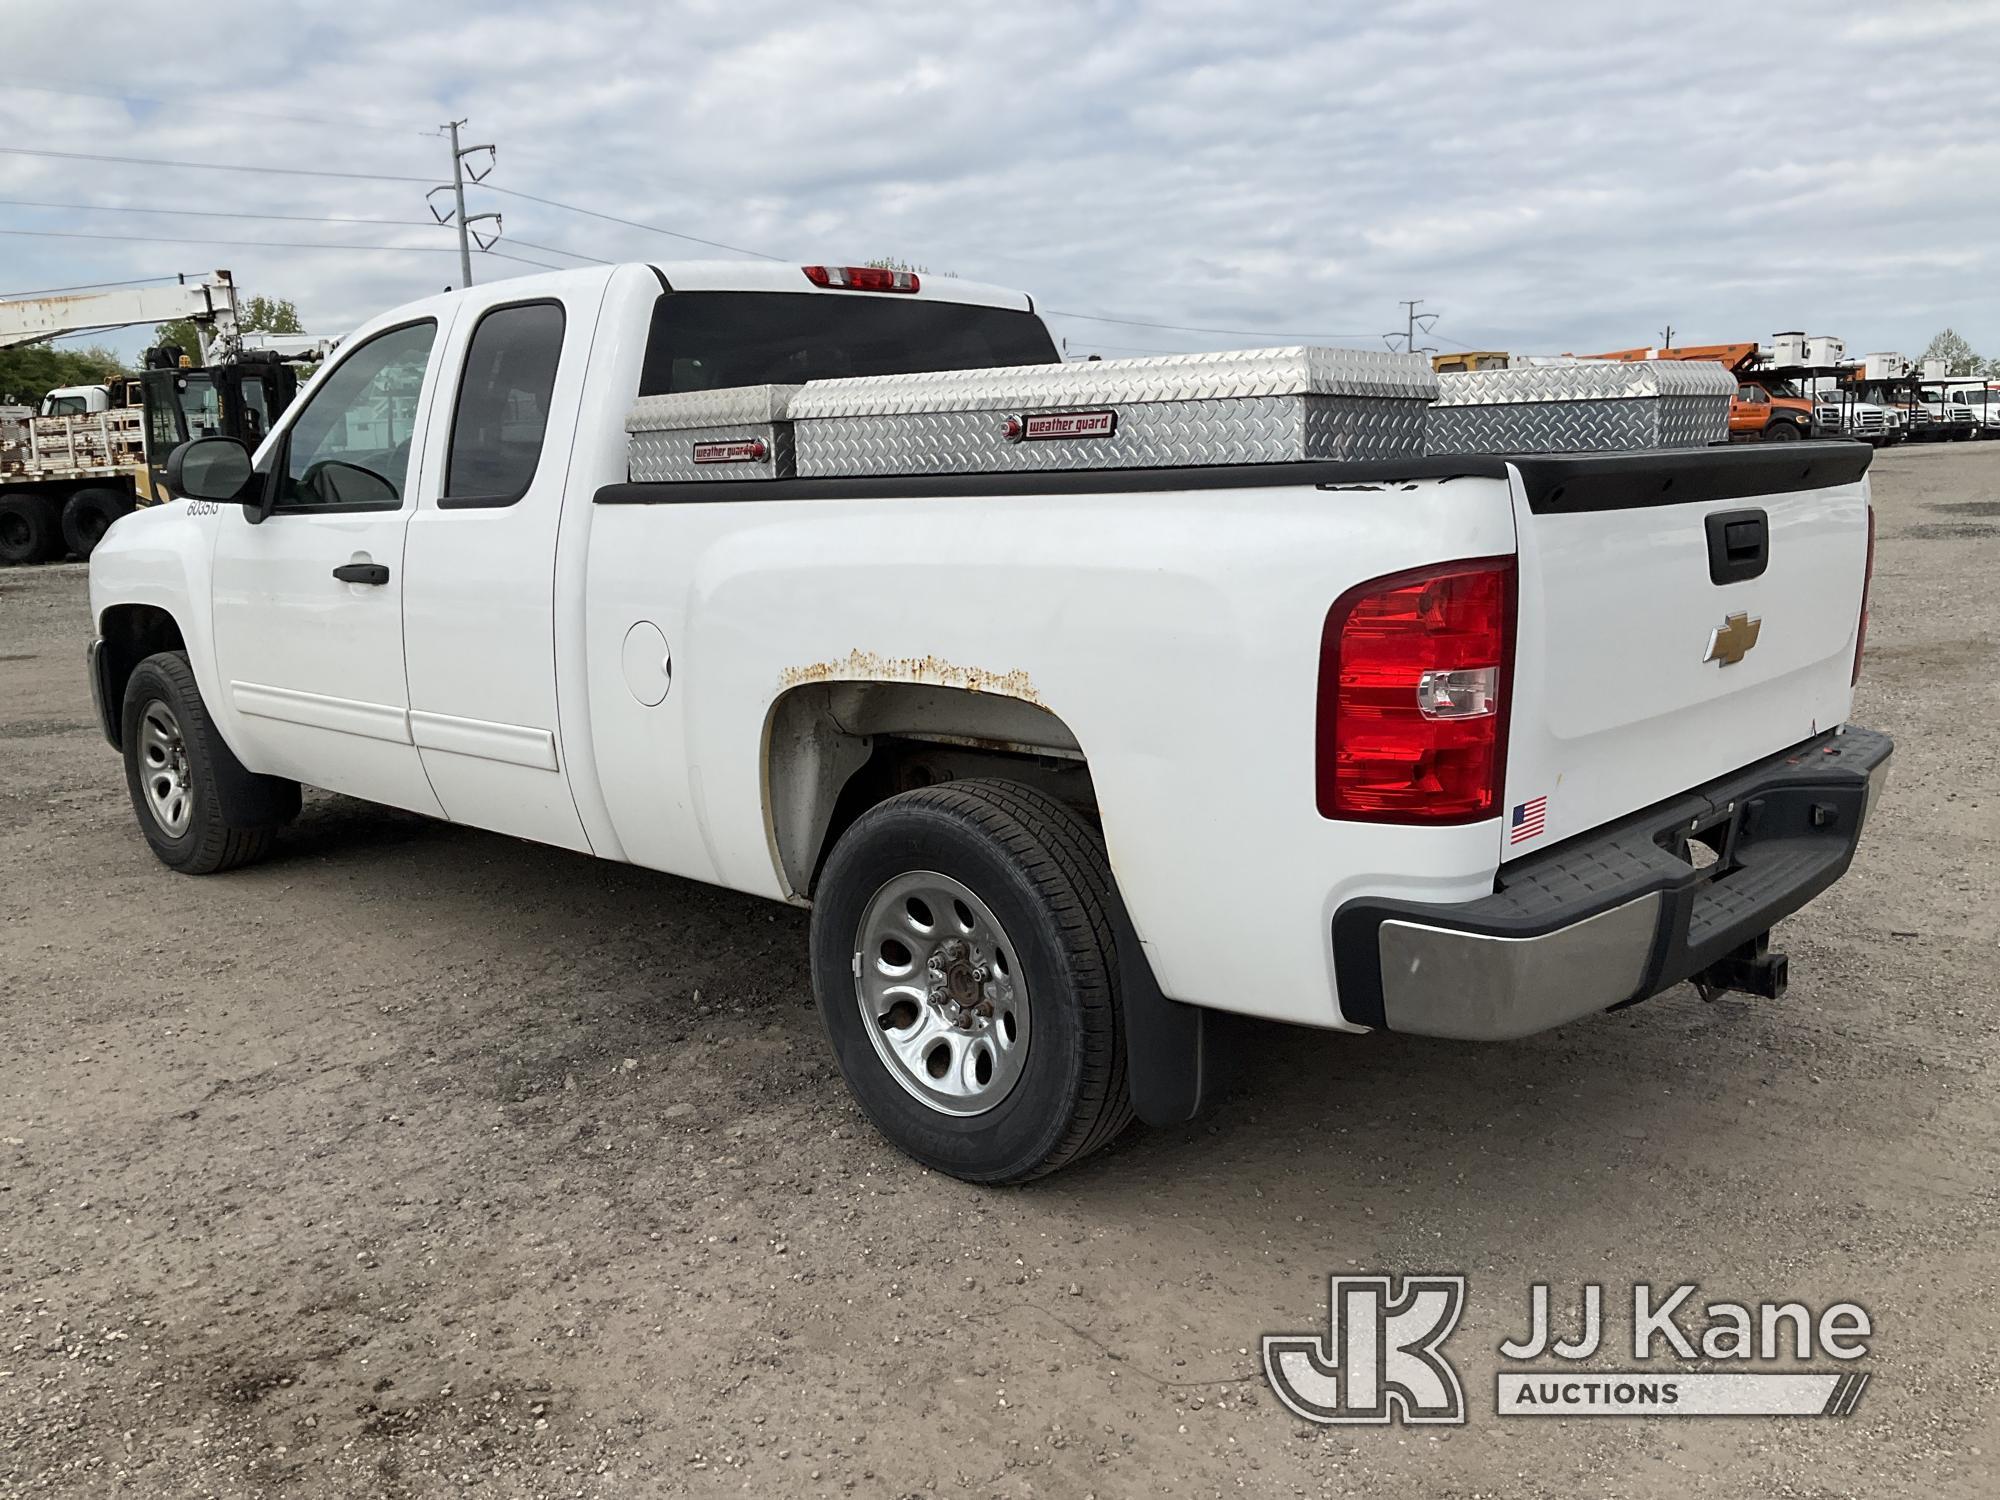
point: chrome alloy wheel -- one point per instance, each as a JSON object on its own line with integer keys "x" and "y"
{"x": 941, "y": 993}
{"x": 163, "y": 769}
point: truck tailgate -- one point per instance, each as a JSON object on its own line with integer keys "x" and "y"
{"x": 1641, "y": 576}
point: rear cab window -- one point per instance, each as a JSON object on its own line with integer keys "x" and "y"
{"x": 502, "y": 411}
{"x": 703, "y": 341}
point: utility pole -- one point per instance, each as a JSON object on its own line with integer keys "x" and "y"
{"x": 1667, "y": 337}
{"x": 1411, "y": 320}
{"x": 466, "y": 233}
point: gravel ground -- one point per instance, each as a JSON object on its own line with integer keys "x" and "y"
{"x": 421, "y": 1161}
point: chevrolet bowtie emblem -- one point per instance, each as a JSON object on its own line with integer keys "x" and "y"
{"x": 1732, "y": 641}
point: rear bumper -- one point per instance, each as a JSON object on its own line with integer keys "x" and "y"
{"x": 1618, "y": 914}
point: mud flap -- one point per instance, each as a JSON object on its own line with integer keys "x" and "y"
{"x": 1166, "y": 1054}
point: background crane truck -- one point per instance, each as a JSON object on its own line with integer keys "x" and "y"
{"x": 80, "y": 457}
{"x": 1767, "y": 407}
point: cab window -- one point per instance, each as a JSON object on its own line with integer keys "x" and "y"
{"x": 163, "y": 424}
{"x": 199, "y": 405}
{"x": 256, "y": 410}
{"x": 503, "y": 405}
{"x": 350, "y": 447}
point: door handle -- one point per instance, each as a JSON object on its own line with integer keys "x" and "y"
{"x": 375, "y": 573}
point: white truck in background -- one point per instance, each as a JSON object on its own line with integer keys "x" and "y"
{"x": 84, "y": 455}
{"x": 1062, "y": 754}
{"x": 1965, "y": 404}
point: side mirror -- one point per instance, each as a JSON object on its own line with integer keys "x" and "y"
{"x": 213, "y": 468}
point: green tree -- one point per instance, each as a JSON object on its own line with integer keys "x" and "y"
{"x": 271, "y": 315}
{"x": 29, "y": 372}
{"x": 182, "y": 334}
{"x": 1957, "y": 354}
{"x": 259, "y": 315}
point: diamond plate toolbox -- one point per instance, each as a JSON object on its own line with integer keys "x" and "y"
{"x": 1245, "y": 407}
{"x": 740, "y": 433}
{"x": 1581, "y": 408}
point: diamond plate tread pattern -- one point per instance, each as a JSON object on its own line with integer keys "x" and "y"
{"x": 1606, "y": 380}
{"x": 665, "y": 454}
{"x": 683, "y": 409}
{"x": 1231, "y": 374}
{"x": 1582, "y": 425}
{"x": 1149, "y": 434}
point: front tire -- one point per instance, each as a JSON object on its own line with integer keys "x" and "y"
{"x": 187, "y": 786}
{"x": 966, "y": 972}
{"x": 1782, "y": 432}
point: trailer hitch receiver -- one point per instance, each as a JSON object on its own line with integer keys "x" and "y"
{"x": 1752, "y": 968}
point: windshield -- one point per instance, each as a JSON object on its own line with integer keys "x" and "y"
{"x": 706, "y": 340}
{"x": 1780, "y": 388}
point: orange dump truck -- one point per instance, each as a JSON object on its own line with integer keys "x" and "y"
{"x": 1764, "y": 408}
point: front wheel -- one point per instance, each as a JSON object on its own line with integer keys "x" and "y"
{"x": 1781, "y": 432}
{"x": 966, "y": 973}
{"x": 199, "y": 809}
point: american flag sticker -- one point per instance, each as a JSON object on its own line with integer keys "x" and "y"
{"x": 1527, "y": 820}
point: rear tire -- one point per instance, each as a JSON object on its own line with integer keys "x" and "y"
{"x": 88, "y": 514}
{"x": 909, "y": 979}
{"x": 188, "y": 788}
{"x": 30, "y": 530}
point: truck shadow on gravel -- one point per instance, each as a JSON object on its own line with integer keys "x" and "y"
{"x": 597, "y": 989}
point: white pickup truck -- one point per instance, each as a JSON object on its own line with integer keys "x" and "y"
{"x": 1467, "y": 746}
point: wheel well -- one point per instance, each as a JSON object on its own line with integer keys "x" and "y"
{"x": 834, "y": 750}
{"x": 131, "y": 633}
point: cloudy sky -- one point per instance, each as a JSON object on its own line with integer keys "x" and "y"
{"x": 1545, "y": 177}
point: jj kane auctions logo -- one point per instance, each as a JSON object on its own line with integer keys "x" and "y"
{"x": 1382, "y": 1358}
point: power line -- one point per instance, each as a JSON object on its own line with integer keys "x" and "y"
{"x": 1132, "y": 348}
{"x": 1255, "y": 333}
{"x": 209, "y": 106}
{"x": 214, "y": 166}
{"x": 631, "y": 223}
{"x": 207, "y": 166}
{"x": 91, "y": 286}
{"x": 695, "y": 239}
{"x": 161, "y": 239}
{"x": 557, "y": 250}
{"x": 215, "y": 213}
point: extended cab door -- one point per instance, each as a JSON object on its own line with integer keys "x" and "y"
{"x": 479, "y": 607}
{"x": 308, "y": 604}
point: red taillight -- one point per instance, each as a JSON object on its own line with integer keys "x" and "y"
{"x": 1414, "y": 676}
{"x": 862, "y": 278}
{"x": 1867, "y": 578}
